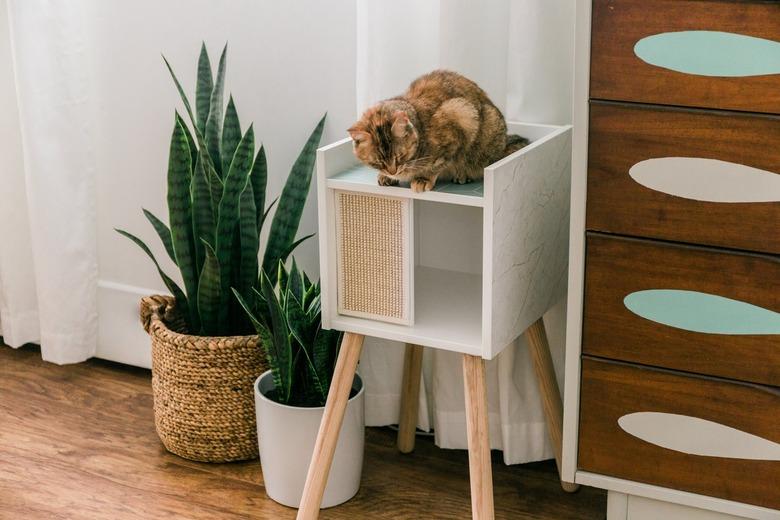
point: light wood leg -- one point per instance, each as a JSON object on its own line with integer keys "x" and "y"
{"x": 330, "y": 427}
{"x": 410, "y": 397}
{"x": 480, "y": 470}
{"x": 548, "y": 388}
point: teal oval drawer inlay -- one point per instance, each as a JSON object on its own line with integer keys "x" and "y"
{"x": 711, "y": 53}
{"x": 708, "y": 180}
{"x": 702, "y": 312}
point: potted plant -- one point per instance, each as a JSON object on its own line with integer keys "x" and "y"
{"x": 290, "y": 397}
{"x": 205, "y": 354}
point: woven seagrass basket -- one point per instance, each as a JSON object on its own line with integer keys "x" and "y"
{"x": 204, "y": 406}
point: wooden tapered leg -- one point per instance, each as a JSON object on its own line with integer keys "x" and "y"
{"x": 548, "y": 388}
{"x": 330, "y": 427}
{"x": 410, "y": 397}
{"x": 480, "y": 470}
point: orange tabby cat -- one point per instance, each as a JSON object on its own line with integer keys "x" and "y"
{"x": 443, "y": 128}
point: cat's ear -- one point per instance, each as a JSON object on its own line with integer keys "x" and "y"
{"x": 358, "y": 135}
{"x": 401, "y": 124}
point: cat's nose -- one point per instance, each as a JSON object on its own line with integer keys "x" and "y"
{"x": 390, "y": 170}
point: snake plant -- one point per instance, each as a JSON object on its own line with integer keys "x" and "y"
{"x": 217, "y": 207}
{"x": 286, "y": 314}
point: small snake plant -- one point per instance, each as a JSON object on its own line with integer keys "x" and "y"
{"x": 286, "y": 314}
{"x": 217, "y": 207}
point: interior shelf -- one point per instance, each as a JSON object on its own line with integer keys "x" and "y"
{"x": 448, "y": 313}
{"x": 361, "y": 178}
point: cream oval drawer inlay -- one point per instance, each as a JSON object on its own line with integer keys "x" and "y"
{"x": 707, "y": 180}
{"x": 696, "y": 436}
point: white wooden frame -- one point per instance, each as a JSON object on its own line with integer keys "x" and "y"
{"x": 569, "y": 471}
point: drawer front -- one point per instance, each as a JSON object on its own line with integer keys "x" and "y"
{"x": 691, "y": 176}
{"x": 699, "y": 53}
{"x": 684, "y": 308}
{"x": 706, "y": 436}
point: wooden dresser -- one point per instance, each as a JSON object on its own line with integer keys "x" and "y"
{"x": 672, "y": 396}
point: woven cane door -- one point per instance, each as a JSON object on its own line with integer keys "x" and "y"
{"x": 374, "y": 257}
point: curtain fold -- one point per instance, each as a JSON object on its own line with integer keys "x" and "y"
{"x": 521, "y": 53}
{"x": 48, "y": 264}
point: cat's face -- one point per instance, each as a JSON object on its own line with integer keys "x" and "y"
{"x": 385, "y": 140}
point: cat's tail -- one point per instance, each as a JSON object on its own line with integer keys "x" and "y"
{"x": 514, "y": 143}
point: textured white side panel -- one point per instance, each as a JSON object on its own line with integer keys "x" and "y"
{"x": 529, "y": 235}
{"x": 571, "y": 396}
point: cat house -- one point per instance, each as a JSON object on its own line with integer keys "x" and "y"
{"x": 464, "y": 267}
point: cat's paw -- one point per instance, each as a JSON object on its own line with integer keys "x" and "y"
{"x": 461, "y": 180}
{"x": 384, "y": 180}
{"x": 421, "y": 184}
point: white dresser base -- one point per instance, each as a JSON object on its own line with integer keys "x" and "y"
{"x": 631, "y": 507}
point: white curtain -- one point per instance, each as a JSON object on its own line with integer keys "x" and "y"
{"x": 90, "y": 100}
{"x": 521, "y": 53}
{"x": 48, "y": 259}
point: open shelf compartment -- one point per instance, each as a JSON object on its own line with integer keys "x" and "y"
{"x": 485, "y": 260}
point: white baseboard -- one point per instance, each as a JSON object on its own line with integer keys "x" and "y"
{"x": 121, "y": 337}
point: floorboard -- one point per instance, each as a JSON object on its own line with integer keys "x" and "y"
{"x": 78, "y": 442}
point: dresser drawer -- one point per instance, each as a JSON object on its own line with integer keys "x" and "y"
{"x": 699, "y": 53}
{"x": 697, "y": 434}
{"x": 685, "y": 175}
{"x": 684, "y": 308}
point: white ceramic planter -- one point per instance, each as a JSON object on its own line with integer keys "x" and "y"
{"x": 286, "y": 437}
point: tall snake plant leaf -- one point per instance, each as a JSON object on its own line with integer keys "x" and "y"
{"x": 231, "y": 135}
{"x": 324, "y": 349}
{"x": 259, "y": 179}
{"x": 267, "y": 212}
{"x": 216, "y": 186}
{"x": 203, "y": 87}
{"x": 181, "y": 299}
{"x": 187, "y": 106}
{"x": 183, "y": 96}
{"x": 180, "y": 215}
{"x": 163, "y": 232}
{"x": 280, "y": 346}
{"x": 213, "y": 132}
{"x": 319, "y": 385}
{"x": 288, "y": 214}
{"x": 210, "y": 293}
{"x": 250, "y": 242}
{"x": 190, "y": 140}
{"x": 203, "y": 219}
{"x": 228, "y": 213}
{"x": 295, "y": 283}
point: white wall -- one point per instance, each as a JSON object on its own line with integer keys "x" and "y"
{"x": 288, "y": 63}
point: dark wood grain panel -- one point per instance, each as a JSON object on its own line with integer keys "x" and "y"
{"x": 611, "y": 390}
{"x": 624, "y": 135}
{"x": 78, "y": 441}
{"x": 616, "y": 267}
{"x": 618, "y": 74}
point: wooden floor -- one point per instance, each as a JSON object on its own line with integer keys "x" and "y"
{"x": 78, "y": 442}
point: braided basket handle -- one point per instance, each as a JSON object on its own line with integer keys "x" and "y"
{"x": 156, "y": 307}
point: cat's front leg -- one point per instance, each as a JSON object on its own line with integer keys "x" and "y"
{"x": 384, "y": 180}
{"x": 421, "y": 184}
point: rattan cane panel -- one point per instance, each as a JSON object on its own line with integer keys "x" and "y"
{"x": 373, "y": 256}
